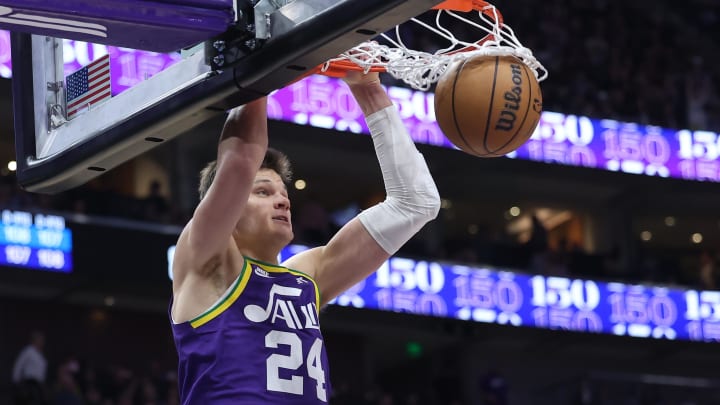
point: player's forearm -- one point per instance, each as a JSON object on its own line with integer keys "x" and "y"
{"x": 412, "y": 197}
{"x": 245, "y": 125}
{"x": 370, "y": 96}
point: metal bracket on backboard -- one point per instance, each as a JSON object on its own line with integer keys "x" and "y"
{"x": 56, "y": 111}
{"x": 264, "y": 10}
{"x": 235, "y": 43}
{"x": 262, "y": 21}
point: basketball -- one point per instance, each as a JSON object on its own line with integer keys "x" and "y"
{"x": 488, "y": 106}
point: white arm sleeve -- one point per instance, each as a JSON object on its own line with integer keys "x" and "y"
{"x": 412, "y": 197}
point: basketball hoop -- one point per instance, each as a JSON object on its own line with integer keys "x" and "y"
{"x": 421, "y": 69}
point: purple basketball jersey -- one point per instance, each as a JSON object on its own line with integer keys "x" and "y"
{"x": 260, "y": 343}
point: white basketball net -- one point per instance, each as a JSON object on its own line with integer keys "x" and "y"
{"x": 421, "y": 69}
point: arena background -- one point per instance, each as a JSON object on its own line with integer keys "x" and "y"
{"x": 648, "y": 63}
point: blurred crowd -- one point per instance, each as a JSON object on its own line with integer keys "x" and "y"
{"x": 95, "y": 199}
{"x": 645, "y": 62}
{"x": 74, "y": 380}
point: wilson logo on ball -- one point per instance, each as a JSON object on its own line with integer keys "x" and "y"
{"x": 513, "y": 97}
{"x": 488, "y": 106}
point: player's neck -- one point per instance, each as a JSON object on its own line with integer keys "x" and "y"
{"x": 259, "y": 247}
{"x": 263, "y": 254}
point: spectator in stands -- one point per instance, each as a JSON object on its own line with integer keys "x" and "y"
{"x": 29, "y": 372}
{"x": 584, "y": 394}
{"x": 707, "y": 270}
{"x": 698, "y": 93}
{"x": 538, "y": 246}
{"x": 538, "y": 241}
{"x": 155, "y": 205}
{"x": 66, "y": 390}
{"x": 493, "y": 389}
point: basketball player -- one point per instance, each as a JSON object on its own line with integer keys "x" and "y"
{"x": 246, "y": 328}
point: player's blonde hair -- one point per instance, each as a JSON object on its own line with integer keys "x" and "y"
{"x": 274, "y": 160}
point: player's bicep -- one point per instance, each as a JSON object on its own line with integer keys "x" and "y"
{"x": 350, "y": 257}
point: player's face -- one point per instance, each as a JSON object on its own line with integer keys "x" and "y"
{"x": 268, "y": 208}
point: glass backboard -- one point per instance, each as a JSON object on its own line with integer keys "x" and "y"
{"x": 234, "y": 51}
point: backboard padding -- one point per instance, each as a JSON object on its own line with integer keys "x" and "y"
{"x": 159, "y": 26}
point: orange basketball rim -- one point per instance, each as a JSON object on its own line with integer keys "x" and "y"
{"x": 340, "y": 67}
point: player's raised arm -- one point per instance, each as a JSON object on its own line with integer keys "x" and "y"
{"x": 241, "y": 149}
{"x": 361, "y": 246}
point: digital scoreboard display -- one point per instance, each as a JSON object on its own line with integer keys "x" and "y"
{"x": 36, "y": 241}
{"x": 508, "y": 298}
{"x": 559, "y": 138}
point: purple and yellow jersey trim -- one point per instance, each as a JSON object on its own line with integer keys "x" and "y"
{"x": 239, "y": 286}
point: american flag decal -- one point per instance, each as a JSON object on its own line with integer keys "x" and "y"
{"x": 88, "y": 86}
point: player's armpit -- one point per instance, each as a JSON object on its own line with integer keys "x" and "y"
{"x": 350, "y": 257}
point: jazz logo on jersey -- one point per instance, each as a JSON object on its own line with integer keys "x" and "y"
{"x": 281, "y": 308}
{"x": 60, "y": 24}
